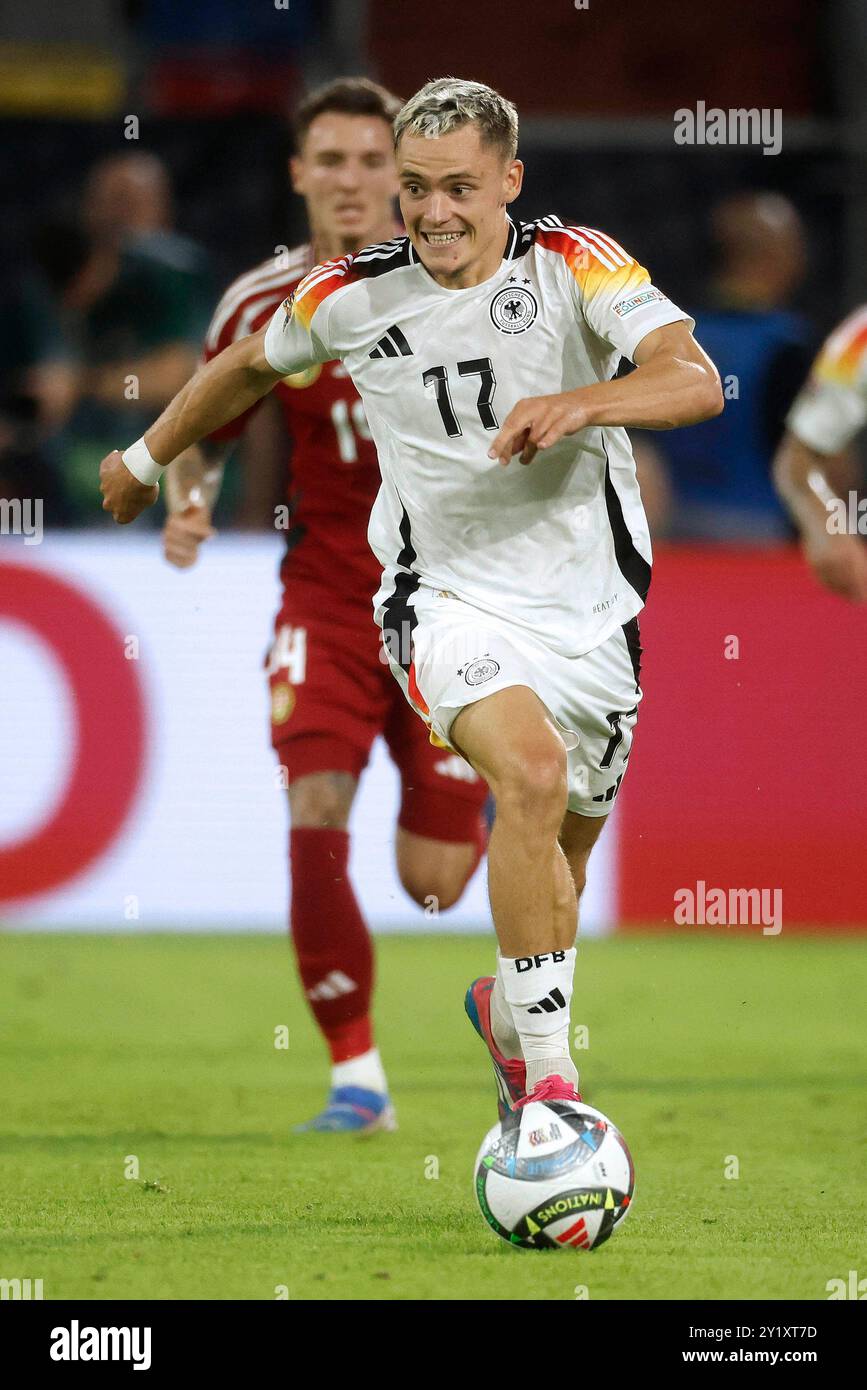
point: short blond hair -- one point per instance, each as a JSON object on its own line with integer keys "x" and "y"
{"x": 448, "y": 103}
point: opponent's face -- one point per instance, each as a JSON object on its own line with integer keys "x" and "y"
{"x": 345, "y": 171}
{"x": 454, "y": 190}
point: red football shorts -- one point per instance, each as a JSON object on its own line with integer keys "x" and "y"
{"x": 331, "y": 694}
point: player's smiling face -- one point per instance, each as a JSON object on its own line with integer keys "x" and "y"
{"x": 454, "y": 190}
{"x": 345, "y": 172}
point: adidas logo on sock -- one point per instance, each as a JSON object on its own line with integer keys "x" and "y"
{"x": 393, "y": 344}
{"x": 550, "y": 1004}
{"x": 334, "y": 984}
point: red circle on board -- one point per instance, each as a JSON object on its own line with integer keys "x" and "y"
{"x": 110, "y": 732}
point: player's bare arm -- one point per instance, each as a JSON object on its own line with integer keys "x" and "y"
{"x": 219, "y": 391}
{"x": 838, "y": 560}
{"x": 675, "y": 383}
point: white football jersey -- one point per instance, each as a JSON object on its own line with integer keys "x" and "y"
{"x": 559, "y": 547}
{"x": 832, "y": 407}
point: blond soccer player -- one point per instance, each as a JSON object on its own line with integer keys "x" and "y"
{"x": 514, "y": 549}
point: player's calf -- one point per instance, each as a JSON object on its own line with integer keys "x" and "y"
{"x": 513, "y": 741}
{"x": 578, "y": 835}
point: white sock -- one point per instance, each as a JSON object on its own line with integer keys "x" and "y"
{"x": 366, "y": 1071}
{"x": 502, "y": 1023}
{"x": 538, "y": 989}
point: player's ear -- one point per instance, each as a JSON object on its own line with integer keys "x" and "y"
{"x": 296, "y": 174}
{"x": 514, "y": 180}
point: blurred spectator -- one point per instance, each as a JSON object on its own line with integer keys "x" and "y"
{"x": 719, "y": 472}
{"x": 134, "y": 311}
{"x": 38, "y": 378}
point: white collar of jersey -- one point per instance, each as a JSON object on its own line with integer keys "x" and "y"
{"x": 517, "y": 243}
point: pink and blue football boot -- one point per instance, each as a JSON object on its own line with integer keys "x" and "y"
{"x": 510, "y": 1074}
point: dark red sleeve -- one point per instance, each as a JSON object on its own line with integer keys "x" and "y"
{"x": 233, "y": 429}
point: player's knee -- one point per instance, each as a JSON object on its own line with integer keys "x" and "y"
{"x": 321, "y": 801}
{"x": 532, "y": 786}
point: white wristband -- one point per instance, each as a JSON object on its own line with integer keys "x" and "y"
{"x": 140, "y": 464}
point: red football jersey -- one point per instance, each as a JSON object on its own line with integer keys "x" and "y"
{"x": 333, "y": 472}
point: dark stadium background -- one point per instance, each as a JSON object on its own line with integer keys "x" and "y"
{"x": 596, "y": 89}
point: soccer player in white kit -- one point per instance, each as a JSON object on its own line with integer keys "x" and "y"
{"x": 824, "y": 420}
{"x": 509, "y": 522}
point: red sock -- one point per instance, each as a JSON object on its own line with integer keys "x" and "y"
{"x": 331, "y": 940}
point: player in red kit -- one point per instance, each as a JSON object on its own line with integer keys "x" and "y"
{"x": 331, "y": 691}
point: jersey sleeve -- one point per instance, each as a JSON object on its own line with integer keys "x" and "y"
{"x": 299, "y": 333}
{"x": 613, "y": 292}
{"x": 832, "y": 407}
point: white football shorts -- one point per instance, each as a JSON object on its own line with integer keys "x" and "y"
{"x": 458, "y": 654}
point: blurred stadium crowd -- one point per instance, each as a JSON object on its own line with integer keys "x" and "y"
{"x": 144, "y": 155}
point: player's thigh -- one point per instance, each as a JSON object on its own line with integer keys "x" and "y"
{"x": 440, "y": 832}
{"x": 512, "y": 739}
{"x": 476, "y": 681}
{"x": 578, "y": 835}
{"x": 327, "y": 706}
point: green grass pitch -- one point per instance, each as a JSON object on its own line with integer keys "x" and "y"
{"x": 701, "y": 1047}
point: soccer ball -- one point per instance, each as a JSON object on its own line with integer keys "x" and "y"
{"x": 554, "y": 1175}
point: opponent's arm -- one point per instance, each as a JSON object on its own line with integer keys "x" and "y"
{"x": 674, "y": 383}
{"x": 223, "y": 389}
{"x": 193, "y": 482}
{"x": 838, "y": 559}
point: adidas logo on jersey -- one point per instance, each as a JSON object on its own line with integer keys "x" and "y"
{"x": 457, "y": 768}
{"x": 392, "y": 344}
{"x": 332, "y": 987}
{"x": 550, "y": 1004}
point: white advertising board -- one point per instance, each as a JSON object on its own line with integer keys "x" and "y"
{"x": 138, "y": 788}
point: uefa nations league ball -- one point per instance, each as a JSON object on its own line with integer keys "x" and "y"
{"x": 554, "y": 1175}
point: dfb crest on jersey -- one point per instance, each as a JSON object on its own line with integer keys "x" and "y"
{"x": 482, "y": 669}
{"x": 513, "y": 309}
